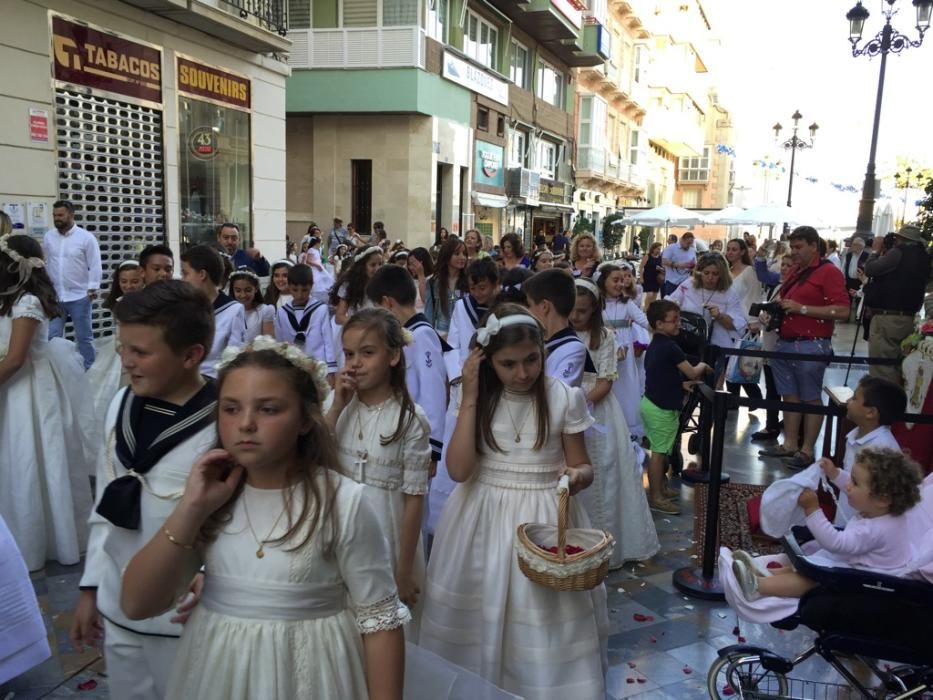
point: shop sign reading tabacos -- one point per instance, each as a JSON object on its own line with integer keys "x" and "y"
{"x": 205, "y": 81}
{"x": 85, "y": 56}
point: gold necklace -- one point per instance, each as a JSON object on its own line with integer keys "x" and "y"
{"x": 260, "y": 553}
{"x": 518, "y": 430}
{"x": 362, "y": 454}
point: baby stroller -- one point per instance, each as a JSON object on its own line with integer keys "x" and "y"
{"x": 882, "y": 622}
{"x": 694, "y": 340}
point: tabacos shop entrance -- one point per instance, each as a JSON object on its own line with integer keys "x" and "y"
{"x": 109, "y": 138}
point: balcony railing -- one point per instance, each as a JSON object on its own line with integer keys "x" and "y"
{"x": 269, "y": 14}
{"x": 598, "y": 160}
{"x": 365, "y": 47}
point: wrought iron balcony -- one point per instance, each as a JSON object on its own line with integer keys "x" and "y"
{"x": 270, "y": 14}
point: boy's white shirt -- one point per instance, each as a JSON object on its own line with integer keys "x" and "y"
{"x": 319, "y": 338}
{"x": 110, "y": 547}
{"x": 426, "y": 375}
{"x": 461, "y": 331}
{"x": 877, "y": 438}
{"x": 229, "y": 330}
{"x": 567, "y": 360}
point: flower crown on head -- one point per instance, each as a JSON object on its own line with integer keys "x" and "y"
{"x": 244, "y": 271}
{"x": 369, "y": 251}
{"x": 21, "y": 266}
{"x": 316, "y": 368}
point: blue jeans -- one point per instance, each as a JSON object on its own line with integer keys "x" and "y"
{"x": 79, "y": 312}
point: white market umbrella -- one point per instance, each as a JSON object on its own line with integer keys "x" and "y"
{"x": 667, "y": 215}
{"x": 725, "y": 217}
{"x": 883, "y": 221}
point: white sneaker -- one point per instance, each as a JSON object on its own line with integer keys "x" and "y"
{"x": 750, "y": 562}
{"x": 748, "y": 582}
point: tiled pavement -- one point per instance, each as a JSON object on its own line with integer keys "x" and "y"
{"x": 665, "y": 656}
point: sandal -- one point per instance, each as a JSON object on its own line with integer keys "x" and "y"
{"x": 776, "y": 451}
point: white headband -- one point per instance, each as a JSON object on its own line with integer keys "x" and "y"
{"x": 369, "y": 251}
{"x": 588, "y": 286}
{"x": 21, "y": 267}
{"x": 494, "y": 324}
{"x": 127, "y": 263}
{"x": 245, "y": 272}
{"x": 283, "y": 262}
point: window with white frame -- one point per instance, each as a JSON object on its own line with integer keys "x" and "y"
{"x": 641, "y": 63}
{"x": 547, "y": 159}
{"x": 518, "y": 65}
{"x": 592, "y": 133}
{"x": 437, "y": 19}
{"x": 694, "y": 168}
{"x": 599, "y": 10}
{"x": 359, "y": 13}
{"x": 399, "y": 13}
{"x": 481, "y": 40}
{"x": 518, "y": 148}
{"x": 634, "y": 151}
{"x": 551, "y": 85}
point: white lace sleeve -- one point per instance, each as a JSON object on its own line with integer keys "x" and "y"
{"x": 365, "y": 564}
{"x": 607, "y": 365}
{"x": 28, "y": 306}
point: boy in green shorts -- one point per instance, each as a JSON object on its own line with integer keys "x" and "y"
{"x": 665, "y": 369}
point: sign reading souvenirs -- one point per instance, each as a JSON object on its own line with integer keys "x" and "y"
{"x": 488, "y": 165}
{"x": 205, "y": 81}
{"x": 95, "y": 59}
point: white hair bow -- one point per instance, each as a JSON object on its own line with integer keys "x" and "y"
{"x": 495, "y": 324}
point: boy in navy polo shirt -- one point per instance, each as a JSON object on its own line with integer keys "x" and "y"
{"x": 665, "y": 369}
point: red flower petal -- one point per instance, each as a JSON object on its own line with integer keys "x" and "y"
{"x": 741, "y": 639}
{"x": 639, "y": 617}
{"x": 728, "y": 690}
{"x": 774, "y": 565}
{"x": 87, "y": 685}
{"x": 735, "y": 631}
{"x": 688, "y": 670}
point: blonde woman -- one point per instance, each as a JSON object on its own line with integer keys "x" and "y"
{"x": 585, "y": 254}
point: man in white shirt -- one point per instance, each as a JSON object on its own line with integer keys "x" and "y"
{"x": 678, "y": 260}
{"x": 72, "y": 258}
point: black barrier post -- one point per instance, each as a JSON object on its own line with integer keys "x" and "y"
{"x": 703, "y": 582}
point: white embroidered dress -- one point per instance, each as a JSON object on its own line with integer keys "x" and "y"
{"x": 288, "y": 625}
{"x": 388, "y": 472}
{"x": 616, "y": 500}
{"x": 622, "y": 318}
{"x": 104, "y": 377}
{"x": 45, "y": 444}
{"x": 480, "y": 611}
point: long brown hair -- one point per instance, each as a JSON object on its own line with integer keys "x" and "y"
{"x": 316, "y": 451}
{"x": 595, "y": 327}
{"x": 491, "y": 388}
{"x": 38, "y": 283}
{"x": 442, "y": 274}
{"x": 390, "y": 333}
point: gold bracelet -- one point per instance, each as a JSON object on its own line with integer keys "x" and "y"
{"x": 171, "y": 538}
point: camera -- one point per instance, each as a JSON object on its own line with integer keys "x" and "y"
{"x": 773, "y": 309}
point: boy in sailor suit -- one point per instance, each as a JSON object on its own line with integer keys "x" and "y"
{"x": 551, "y": 298}
{"x": 155, "y": 429}
{"x": 483, "y": 279}
{"x": 203, "y": 268}
{"x": 305, "y": 323}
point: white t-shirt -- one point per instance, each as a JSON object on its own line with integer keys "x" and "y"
{"x": 677, "y": 255}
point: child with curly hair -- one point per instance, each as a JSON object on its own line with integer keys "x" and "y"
{"x": 883, "y": 485}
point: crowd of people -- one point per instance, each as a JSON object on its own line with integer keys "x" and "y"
{"x": 305, "y": 471}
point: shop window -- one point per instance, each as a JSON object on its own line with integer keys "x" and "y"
{"x": 500, "y": 125}
{"x": 518, "y": 148}
{"x": 214, "y": 169}
{"x": 482, "y": 119}
{"x": 518, "y": 65}
{"x": 480, "y": 41}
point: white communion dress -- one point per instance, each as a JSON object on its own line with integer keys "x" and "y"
{"x": 288, "y": 625}
{"x": 621, "y": 317}
{"x": 104, "y": 378}
{"x": 616, "y": 500}
{"x": 480, "y": 611}
{"x": 388, "y": 473}
{"x": 45, "y": 445}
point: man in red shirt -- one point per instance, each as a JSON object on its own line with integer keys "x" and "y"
{"x": 813, "y": 297}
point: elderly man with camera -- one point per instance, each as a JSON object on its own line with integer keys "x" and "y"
{"x": 811, "y": 299}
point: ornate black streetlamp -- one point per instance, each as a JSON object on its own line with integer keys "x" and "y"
{"x": 888, "y": 40}
{"x": 794, "y": 144}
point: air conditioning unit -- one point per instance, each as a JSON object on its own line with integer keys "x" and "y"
{"x": 522, "y": 182}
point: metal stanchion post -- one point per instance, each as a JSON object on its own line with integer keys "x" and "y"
{"x": 703, "y": 582}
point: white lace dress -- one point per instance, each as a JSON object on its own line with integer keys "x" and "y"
{"x": 105, "y": 377}
{"x": 45, "y": 445}
{"x": 288, "y": 625}
{"x": 480, "y": 611}
{"x": 616, "y": 500}
{"x": 388, "y": 472}
{"x": 622, "y": 318}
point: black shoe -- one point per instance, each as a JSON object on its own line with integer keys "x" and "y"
{"x": 766, "y": 434}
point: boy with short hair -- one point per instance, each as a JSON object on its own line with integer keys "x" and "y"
{"x": 156, "y": 428}
{"x": 157, "y": 263}
{"x": 483, "y": 281}
{"x": 202, "y": 268}
{"x": 393, "y": 288}
{"x": 665, "y": 367}
{"x": 305, "y": 322}
{"x": 552, "y": 295}
{"x": 874, "y": 407}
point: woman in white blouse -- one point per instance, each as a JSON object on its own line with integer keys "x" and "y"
{"x": 748, "y": 290}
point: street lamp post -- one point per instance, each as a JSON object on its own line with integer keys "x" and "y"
{"x": 897, "y": 179}
{"x": 888, "y": 40}
{"x": 793, "y": 144}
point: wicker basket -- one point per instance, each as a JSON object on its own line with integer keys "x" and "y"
{"x": 563, "y": 572}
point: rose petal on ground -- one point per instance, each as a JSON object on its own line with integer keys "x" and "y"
{"x": 688, "y": 670}
{"x": 741, "y": 639}
{"x": 89, "y": 684}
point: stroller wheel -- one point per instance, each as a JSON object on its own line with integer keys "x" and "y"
{"x": 738, "y": 675}
{"x": 693, "y": 443}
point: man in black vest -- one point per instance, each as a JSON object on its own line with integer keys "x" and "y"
{"x": 853, "y": 262}
{"x": 898, "y": 283}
